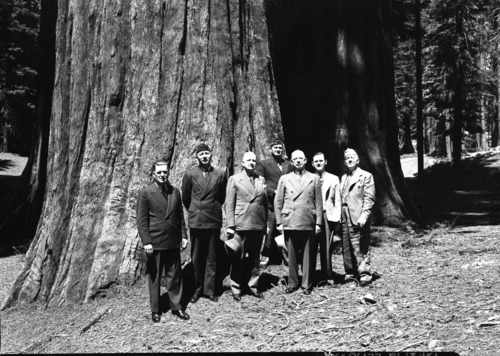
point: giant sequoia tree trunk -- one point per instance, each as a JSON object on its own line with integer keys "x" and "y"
{"x": 335, "y": 80}
{"x": 140, "y": 80}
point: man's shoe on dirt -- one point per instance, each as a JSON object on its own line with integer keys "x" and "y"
{"x": 213, "y": 298}
{"x": 155, "y": 317}
{"x": 290, "y": 290}
{"x": 237, "y": 297}
{"x": 195, "y": 298}
{"x": 307, "y": 292}
{"x": 255, "y": 294}
{"x": 180, "y": 314}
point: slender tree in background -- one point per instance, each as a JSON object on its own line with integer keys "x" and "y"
{"x": 418, "y": 80}
{"x": 139, "y": 80}
{"x": 19, "y": 26}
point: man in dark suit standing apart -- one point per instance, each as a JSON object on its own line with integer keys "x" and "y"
{"x": 298, "y": 206}
{"x": 246, "y": 215}
{"x": 203, "y": 193}
{"x": 271, "y": 169}
{"x": 160, "y": 222}
{"x": 358, "y": 197}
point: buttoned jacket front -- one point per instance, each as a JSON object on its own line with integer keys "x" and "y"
{"x": 359, "y": 194}
{"x": 246, "y": 203}
{"x": 203, "y": 197}
{"x": 298, "y": 204}
{"x": 160, "y": 220}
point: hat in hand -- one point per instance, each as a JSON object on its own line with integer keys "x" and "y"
{"x": 234, "y": 246}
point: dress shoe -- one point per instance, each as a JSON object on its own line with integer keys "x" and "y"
{"x": 307, "y": 292}
{"x": 155, "y": 317}
{"x": 195, "y": 298}
{"x": 181, "y": 314}
{"x": 255, "y": 294}
{"x": 264, "y": 261}
{"x": 237, "y": 297}
{"x": 290, "y": 290}
{"x": 213, "y": 298}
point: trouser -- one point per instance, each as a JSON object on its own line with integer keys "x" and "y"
{"x": 355, "y": 247}
{"x": 324, "y": 239}
{"x": 270, "y": 248}
{"x": 204, "y": 257}
{"x": 245, "y": 268}
{"x": 300, "y": 248}
{"x": 170, "y": 261}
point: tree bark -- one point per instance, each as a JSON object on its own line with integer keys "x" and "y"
{"x": 136, "y": 81}
{"x": 419, "y": 98}
{"x": 350, "y": 101}
{"x": 459, "y": 89}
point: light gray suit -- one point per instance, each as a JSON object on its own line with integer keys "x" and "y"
{"x": 246, "y": 213}
{"x": 299, "y": 207}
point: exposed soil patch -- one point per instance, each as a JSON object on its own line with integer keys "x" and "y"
{"x": 439, "y": 290}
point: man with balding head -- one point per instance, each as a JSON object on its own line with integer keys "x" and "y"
{"x": 299, "y": 208}
{"x": 357, "y": 189}
{"x": 246, "y": 216}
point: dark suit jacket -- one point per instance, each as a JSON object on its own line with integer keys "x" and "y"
{"x": 268, "y": 168}
{"x": 246, "y": 204}
{"x": 160, "y": 220}
{"x": 203, "y": 197}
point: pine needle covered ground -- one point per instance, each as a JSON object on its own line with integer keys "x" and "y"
{"x": 439, "y": 289}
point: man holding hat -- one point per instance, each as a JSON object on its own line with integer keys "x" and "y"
{"x": 299, "y": 207}
{"x": 203, "y": 193}
{"x": 357, "y": 188}
{"x": 271, "y": 169}
{"x": 246, "y": 215}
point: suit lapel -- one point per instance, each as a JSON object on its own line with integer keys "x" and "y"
{"x": 170, "y": 204}
{"x": 275, "y": 168}
{"x": 301, "y": 184}
{"x": 157, "y": 195}
{"x": 245, "y": 183}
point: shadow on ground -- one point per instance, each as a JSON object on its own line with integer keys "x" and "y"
{"x": 466, "y": 196}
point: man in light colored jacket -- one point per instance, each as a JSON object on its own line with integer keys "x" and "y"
{"x": 357, "y": 188}
{"x": 246, "y": 214}
{"x": 331, "y": 212}
{"x": 298, "y": 206}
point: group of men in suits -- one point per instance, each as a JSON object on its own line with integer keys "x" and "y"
{"x": 266, "y": 199}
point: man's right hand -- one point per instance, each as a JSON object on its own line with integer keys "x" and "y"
{"x": 230, "y": 232}
{"x": 148, "y": 248}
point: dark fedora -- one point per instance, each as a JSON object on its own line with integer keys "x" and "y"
{"x": 234, "y": 246}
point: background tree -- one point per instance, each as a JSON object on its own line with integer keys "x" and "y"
{"x": 138, "y": 80}
{"x": 19, "y": 25}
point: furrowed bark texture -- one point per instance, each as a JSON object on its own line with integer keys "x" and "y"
{"x": 137, "y": 81}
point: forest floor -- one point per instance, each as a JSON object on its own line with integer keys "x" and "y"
{"x": 439, "y": 290}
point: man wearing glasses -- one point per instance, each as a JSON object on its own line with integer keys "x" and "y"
{"x": 160, "y": 222}
{"x": 299, "y": 212}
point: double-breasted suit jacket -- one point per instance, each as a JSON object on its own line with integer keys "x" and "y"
{"x": 246, "y": 213}
{"x": 160, "y": 220}
{"x": 358, "y": 194}
{"x": 298, "y": 204}
{"x": 269, "y": 169}
{"x": 330, "y": 191}
{"x": 203, "y": 197}
{"x": 246, "y": 203}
